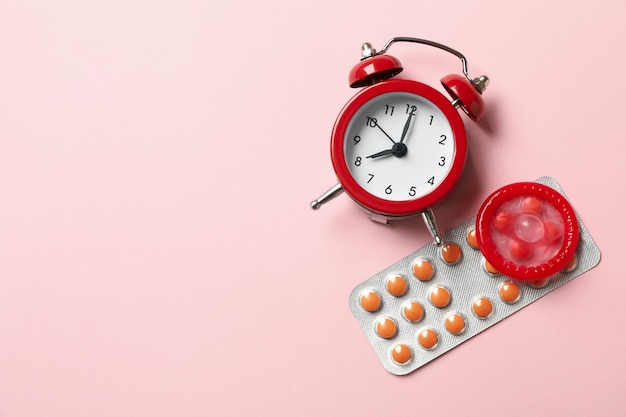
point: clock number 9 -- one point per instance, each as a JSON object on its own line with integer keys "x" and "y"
{"x": 357, "y": 139}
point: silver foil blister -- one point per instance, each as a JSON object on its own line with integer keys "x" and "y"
{"x": 466, "y": 280}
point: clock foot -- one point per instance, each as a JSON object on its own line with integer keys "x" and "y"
{"x": 433, "y": 228}
{"x": 327, "y": 196}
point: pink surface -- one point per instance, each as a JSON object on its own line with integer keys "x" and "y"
{"x": 157, "y": 253}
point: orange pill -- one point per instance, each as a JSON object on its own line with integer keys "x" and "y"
{"x": 539, "y": 283}
{"x": 455, "y": 323}
{"x": 532, "y": 205}
{"x": 451, "y": 253}
{"x": 509, "y": 292}
{"x": 386, "y": 328}
{"x": 440, "y": 296}
{"x": 401, "y": 354}
{"x": 553, "y": 232}
{"x": 482, "y": 307}
{"x": 428, "y": 338}
{"x": 471, "y": 239}
{"x": 423, "y": 269}
{"x": 502, "y": 220}
{"x": 490, "y": 269}
{"x": 396, "y": 285}
{"x": 370, "y": 301}
{"x": 520, "y": 250}
{"x": 413, "y": 311}
{"x": 571, "y": 264}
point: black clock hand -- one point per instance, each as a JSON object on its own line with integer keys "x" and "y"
{"x": 406, "y": 127}
{"x": 381, "y": 153}
{"x": 381, "y": 129}
{"x": 398, "y": 150}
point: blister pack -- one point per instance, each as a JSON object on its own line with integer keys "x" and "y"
{"x": 439, "y": 296}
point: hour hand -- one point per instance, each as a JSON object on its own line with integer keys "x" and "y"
{"x": 381, "y": 153}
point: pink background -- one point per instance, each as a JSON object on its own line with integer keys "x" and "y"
{"x": 158, "y": 256}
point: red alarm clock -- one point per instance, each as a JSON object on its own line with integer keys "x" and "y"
{"x": 398, "y": 146}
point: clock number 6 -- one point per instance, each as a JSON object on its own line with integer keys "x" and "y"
{"x": 388, "y": 190}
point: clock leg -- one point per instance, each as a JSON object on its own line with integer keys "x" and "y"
{"x": 431, "y": 224}
{"x": 327, "y": 196}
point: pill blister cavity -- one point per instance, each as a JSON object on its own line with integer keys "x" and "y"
{"x": 423, "y": 269}
{"x": 413, "y": 311}
{"x": 502, "y": 221}
{"x": 571, "y": 264}
{"x": 401, "y": 354}
{"x": 397, "y": 285}
{"x": 455, "y": 323}
{"x": 428, "y": 338}
{"x": 451, "y": 253}
{"x": 539, "y": 283}
{"x": 386, "y": 327}
{"x": 471, "y": 239}
{"x": 439, "y": 296}
{"x": 482, "y": 307}
{"x": 532, "y": 205}
{"x": 489, "y": 268}
{"x": 370, "y": 301}
{"x": 509, "y": 292}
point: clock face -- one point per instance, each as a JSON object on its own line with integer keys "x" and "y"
{"x": 398, "y": 147}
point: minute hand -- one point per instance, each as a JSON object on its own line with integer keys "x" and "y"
{"x": 382, "y": 130}
{"x": 406, "y": 127}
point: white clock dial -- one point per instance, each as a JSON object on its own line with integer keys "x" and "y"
{"x": 389, "y": 165}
